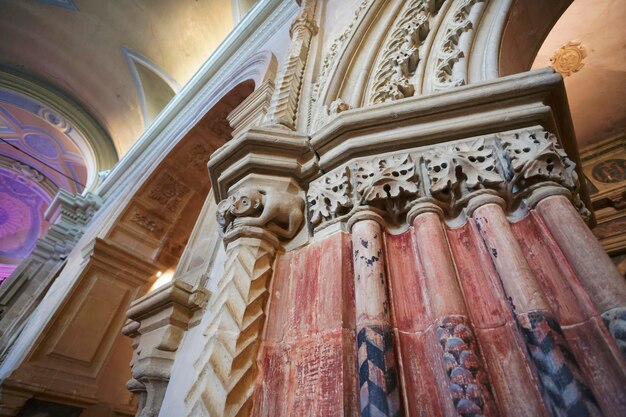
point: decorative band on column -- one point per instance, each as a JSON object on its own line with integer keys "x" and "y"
{"x": 567, "y": 393}
{"x": 615, "y": 320}
{"x": 468, "y": 381}
{"x": 378, "y": 375}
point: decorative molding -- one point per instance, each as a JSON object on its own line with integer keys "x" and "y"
{"x": 507, "y": 168}
{"x": 330, "y": 59}
{"x": 157, "y": 324}
{"x": 450, "y": 52}
{"x": 568, "y": 59}
{"x": 286, "y": 97}
{"x": 401, "y": 52}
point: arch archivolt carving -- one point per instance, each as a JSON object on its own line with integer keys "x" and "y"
{"x": 393, "y": 50}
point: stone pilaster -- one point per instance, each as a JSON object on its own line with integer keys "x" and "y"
{"x": 253, "y": 219}
{"x": 284, "y": 104}
{"x": 24, "y": 289}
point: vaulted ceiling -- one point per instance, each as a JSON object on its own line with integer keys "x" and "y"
{"x": 597, "y": 90}
{"x": 115, "y": 57}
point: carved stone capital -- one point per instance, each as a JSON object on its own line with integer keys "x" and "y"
{"x": 458, "y": 170}
{"x": 510, "y": 169}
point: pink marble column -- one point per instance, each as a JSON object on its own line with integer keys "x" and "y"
{"x": 580, "y": 321}
{"x": 378, "y": 380}
{"x": 602, "y": 281}
{"x": 467, "y": 382}
{"x": 566, "y": 388}
{"x": 513, "y": 380}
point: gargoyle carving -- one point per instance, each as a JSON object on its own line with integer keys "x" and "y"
{"x": 278, "y": 212}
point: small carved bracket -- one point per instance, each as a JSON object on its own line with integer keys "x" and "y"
{"x": 278, "y": 212}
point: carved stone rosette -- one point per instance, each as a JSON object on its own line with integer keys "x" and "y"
{"x": 507, "y": 168}
{"x": 252, "y": 221}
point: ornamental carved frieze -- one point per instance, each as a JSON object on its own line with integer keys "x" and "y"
{"x": 169, "y": 192}
{"x": 451, "y": 50}
{"x": 278, "y": 212}
{"x": 401, "y": 52}
{"x": 457, "y": 170}
{"x": 505, "y": 168}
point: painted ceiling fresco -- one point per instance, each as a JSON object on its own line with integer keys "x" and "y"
{"x": 38, "y": 156}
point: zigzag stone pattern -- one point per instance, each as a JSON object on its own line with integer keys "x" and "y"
{"x": 226, "y": 371}
{"x": 567, "y": 393}
{"x": 378, "y": 379}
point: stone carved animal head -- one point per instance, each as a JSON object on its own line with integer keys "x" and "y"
{"x": 246, "y": 202}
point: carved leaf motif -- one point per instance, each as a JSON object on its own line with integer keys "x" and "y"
{"x": 386, "y": 178}
{"x": 400, "y": 55}
{"x": 471, "y": 164}
{"x": 537, "y": 156}
{"x": 329, "y": 196}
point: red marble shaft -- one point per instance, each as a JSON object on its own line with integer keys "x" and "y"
{"x": 565, "y": 385}
{"x": 378, "y": 380}
{"x": 514, "y": 383}
{"x": 307, "y": 360}
{"x": 602, "y": 281}
{"x": 419, "y": 349}
{"x": 466, "y": 380}
{"x": 589, "y": 339}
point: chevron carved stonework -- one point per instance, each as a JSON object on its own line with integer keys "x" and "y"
{"x": 252, "y": 220}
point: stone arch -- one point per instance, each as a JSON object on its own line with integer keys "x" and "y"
{"x": 527, "y": 25}
{"x": 116, "y": 265}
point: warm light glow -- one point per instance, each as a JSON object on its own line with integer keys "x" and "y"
{"x": 162, "y": 279}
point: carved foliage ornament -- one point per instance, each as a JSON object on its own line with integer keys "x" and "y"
{"x": 536, "y": 157}
{"x": 330, "y": 196}
{"x": 568, "y": 59}
{"x": 454, "y": 170}
{"x": 510, "y": 166}
{"x": 387, "y": 182}
{"x": 400, "y": 55}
